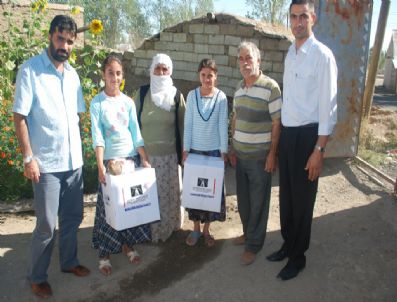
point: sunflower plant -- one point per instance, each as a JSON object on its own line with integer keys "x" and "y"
{"x": 88, "y": 63}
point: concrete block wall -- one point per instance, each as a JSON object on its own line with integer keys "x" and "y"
{"x": 189, "y": 42}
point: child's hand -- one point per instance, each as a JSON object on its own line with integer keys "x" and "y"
{"x": 146, "y": 164}
{"x": 101, "y": 174}
{"x": 184, "y": 156}
{"x": 224, "y": 157}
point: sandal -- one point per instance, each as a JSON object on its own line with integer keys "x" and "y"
{"x": 192, "y": 238}
{"x": 209, "y": 240}
{"x": 134, "y": 257}
{"x": 105, "y": 267}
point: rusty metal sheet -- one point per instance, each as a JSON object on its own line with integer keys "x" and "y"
{"x": 344, "y": 26}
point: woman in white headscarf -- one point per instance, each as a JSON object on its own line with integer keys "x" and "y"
{"x": 161, "y": 108}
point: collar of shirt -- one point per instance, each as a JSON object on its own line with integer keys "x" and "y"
{"x": 305, "y": 47}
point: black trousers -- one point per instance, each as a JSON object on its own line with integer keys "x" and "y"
{"x": 297, "y": 192}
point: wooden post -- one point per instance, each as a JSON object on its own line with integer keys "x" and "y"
{"x": 373, "y": 64}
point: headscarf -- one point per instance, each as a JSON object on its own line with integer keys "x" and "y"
{"x": 162, "y": 88}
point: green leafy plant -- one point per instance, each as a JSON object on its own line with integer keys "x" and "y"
{"x": 19, "y": 43}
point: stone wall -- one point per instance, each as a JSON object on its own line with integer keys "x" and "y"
{"x": 189, "y": 42}
{"x": 22, "y": 11}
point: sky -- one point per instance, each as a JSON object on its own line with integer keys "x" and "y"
{"x": 238, "y": 7}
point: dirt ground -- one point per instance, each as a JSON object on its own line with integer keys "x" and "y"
{"x": 352, "y": 257}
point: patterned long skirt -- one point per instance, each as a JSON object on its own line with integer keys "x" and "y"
{"x": 207, "y": 216}
{"x": 110, "y": 241}
{"x": 169, "y": 194}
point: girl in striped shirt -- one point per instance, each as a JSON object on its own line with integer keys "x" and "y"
{"x": 206, "y": 124}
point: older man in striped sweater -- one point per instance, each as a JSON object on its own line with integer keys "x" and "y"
{"x": 256, "y": 131}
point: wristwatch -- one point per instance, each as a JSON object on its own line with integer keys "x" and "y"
{"x": 319, "y": 148}
{"x": 27, "y": 159}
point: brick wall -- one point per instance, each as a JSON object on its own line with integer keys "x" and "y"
{"x": 189, "y": 42}
{"x": 22, "y": 11}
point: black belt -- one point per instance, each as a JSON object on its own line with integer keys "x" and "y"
{"x": 311, "y": 125}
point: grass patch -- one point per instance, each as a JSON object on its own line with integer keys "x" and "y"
{"x": 374, "y": 158}
{"x": 373, "y": 149}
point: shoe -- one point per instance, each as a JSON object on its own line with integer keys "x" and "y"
{"x": 280, "y": 255}
{"x": 42, "y": 290}
{"x": 79, "y": 271}
{"x": 247, "y": 258}
{"x": 291, "y": 270}
{"x": 240, "y": 240}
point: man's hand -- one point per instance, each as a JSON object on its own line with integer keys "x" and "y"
{"x": 31, "y": 171}
{"x": 232, "y": 158}
{"x": 315, "y": 165}
{"x": 270, "y": 163}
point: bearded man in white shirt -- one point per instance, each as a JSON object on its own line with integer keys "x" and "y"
{"x": 308, "y": 116}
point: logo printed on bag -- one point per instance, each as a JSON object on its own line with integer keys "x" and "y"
{"x": 202, "y": 182}
{"x": 136, "y": 191}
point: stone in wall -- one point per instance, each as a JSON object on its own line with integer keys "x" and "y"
{"x": 216, "y": 39}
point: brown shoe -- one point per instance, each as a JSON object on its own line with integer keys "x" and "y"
{"x": 247, "y": 257}
{"x": 79, "y": 271}
{"x": 240, "y": 240}
{"x": 42, "y": 290}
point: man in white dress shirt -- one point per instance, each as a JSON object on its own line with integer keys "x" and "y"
{"x": 308, "y": 116}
